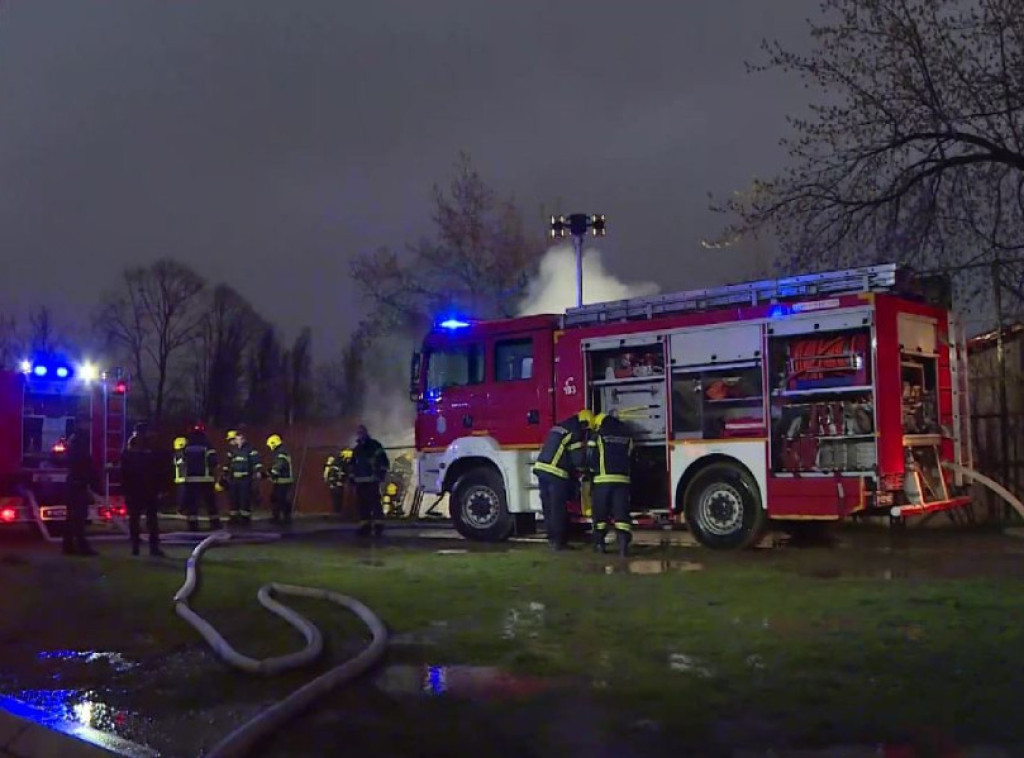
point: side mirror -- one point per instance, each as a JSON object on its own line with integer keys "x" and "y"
{"x": 415, "y": 369}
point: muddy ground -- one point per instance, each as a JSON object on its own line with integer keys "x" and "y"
{"x": 513, "y": 650}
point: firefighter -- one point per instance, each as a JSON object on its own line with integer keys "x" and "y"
{"x": 140, "y": 482}
{"x": 179, "y": 473}
{"x": 609, "y": 453}
{"x": 243, "y": 465}
{"x": 200, "y": 461}
{"x": 336, "y": 471}
{"x": 281, "y": 479}
{"x": 82, "y": 483}
{"x": 369, "y": 467}
{"x": 560, "y": 460}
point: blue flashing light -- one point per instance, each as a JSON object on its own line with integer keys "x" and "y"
{"x": 39, "y": 370}
{"x": 778, "y": 311}
{"x": 453, "y": 323}
{"x": 26, "y": 367}
{"x": 62, "y": 372}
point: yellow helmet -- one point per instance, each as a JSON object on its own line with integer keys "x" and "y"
{"x": 230, "y": 435}
{"x": 179, "y": 443}
{"x": 391, "y": 489}
{"x": 586, "y": 416}
{"x": 274, "y": 441}
{"x": 346, "y": 454}
{"x": 598, "y": 420}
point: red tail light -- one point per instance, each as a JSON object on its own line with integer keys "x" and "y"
{"x": 7, "y": 515}
{"x": 121, "y": 387}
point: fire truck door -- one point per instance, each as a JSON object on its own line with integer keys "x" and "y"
{"x": 520, "y": 401}
{"x": 455, "y": 394}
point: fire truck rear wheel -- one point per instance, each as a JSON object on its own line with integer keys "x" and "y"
{"x": 479, "y": 510}
{"x": 723, "y": 508}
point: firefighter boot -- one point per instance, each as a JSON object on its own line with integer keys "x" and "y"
{"x": 599, "y": 537}
{"x": 623, "y": 538}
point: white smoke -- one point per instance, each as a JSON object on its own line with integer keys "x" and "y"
{"x": 554, "y": 288}
{"x": 389, "y": 414}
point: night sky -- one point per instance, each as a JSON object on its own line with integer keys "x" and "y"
{"x": 266, "y": 142}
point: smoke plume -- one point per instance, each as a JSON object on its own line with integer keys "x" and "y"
{"x": 554, "y": 288}
{"x": 388, "y": 413}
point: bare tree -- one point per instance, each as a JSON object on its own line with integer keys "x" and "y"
{"x": 916, "y": 150}
{"x": 266, "y": 381}
{"x": 43, "y": 339}
{"x": 10, "y": 345}
{"x": 298, "y": 373}
{"x": 479, "y": 261}
{"x": 229, "y": 327}
{"x": 154, "y": 316}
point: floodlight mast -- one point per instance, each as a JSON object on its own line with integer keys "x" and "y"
{"x": 577, "y": 225}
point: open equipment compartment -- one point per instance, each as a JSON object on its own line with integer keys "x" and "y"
{"x": 627, "y": 375}
{"x": 822, "y": 402}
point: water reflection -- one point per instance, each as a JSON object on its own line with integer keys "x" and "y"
{"x": 472, "y": 682}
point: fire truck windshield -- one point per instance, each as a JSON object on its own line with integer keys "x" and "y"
{"x": 455, "y": 366}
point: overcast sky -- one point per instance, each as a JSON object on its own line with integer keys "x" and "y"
{"x": 265, "y": 142}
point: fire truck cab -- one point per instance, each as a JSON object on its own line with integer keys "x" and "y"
{"x": 41, "y": 405}
{"x": 811, "y": 398}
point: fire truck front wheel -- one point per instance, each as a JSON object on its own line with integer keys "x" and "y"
{"x": 478, "y": 510}
{"x": 723, "y": 508}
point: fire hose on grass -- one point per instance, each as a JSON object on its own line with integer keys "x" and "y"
{"x": 245, "y": 737}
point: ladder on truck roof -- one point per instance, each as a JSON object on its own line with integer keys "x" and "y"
{"x": 880, "y": 278}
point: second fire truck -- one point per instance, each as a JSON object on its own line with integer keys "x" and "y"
{"x": 812, "y": 398}
{"x": 41, "y": 404}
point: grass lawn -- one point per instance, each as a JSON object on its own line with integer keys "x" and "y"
{"x": 815, "y": 644}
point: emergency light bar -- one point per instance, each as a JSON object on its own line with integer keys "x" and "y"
{"x": 453, "y": 323}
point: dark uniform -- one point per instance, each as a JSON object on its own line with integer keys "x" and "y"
{"x": 242, "y": 466}
{"x": 200, "y": 461}
{"x": 560, "y": 459}
{"x": 81, "y": 479}
{"x": 335, "y": 476}
{"x": 367, "y": 470}
{"x": 609, "y": 453}
{"x": 281, "y": 478}
{"x": 140, "y": 480}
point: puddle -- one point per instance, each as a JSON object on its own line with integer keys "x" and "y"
{"x": 525, "y": 621}
{"x": 470, "y": 682}
{"x": 688, "y": 664}
{"x": 650, "y": 566}
{"x": 115, "y": 660}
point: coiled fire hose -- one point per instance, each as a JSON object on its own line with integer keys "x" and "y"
{"x": 245, "y": 737}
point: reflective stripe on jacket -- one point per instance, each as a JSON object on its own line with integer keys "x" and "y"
{"x": 281, "y": 468}
{"x": 200, "y": 463}
{"x": 562, "y": 450}
{"x": 610, "y": 453}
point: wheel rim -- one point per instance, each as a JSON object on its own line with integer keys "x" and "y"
{"x": 481, "y": 507}
{"x": 720, "y": 510}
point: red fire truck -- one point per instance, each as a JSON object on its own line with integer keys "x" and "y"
{"x": 40, "y": 406}
{"x": 811, "y": 398}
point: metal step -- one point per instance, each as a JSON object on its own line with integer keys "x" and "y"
{"x": 880, "y": 278}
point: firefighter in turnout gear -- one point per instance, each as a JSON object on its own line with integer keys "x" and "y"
{"x": 368, "y": 469}
{"x": 609, "y": 453}
{"x": 561, "y": 459}
{"x": 200, "y": 461}
{"x": 281, "y": 479}
{"x": 179, "y": 473}
{"x": 241, "y": 468}
{"x": 336, "y": 471}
